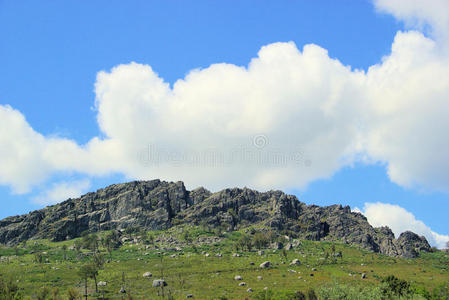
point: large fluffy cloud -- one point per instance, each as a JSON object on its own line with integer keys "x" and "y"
{"x": 263, "y": 126}
{"x": 209, "y": 127}
{"x": 406, "y": 120}
{"x": 400, "y": 220}
{"x": 289, "y": 117}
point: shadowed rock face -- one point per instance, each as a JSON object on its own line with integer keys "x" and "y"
{"x": 159, "y": 205}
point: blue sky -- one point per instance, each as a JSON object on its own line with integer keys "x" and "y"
{"x": 51, "y": 53}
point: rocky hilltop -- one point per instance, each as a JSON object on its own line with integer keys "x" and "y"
{"x": 159, "y": 205}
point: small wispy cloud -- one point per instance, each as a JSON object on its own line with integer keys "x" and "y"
{"x": 61, "y": 191}
{"x": 400, "y": 220}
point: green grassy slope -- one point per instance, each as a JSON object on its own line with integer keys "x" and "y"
{"x": 212, "y": 277}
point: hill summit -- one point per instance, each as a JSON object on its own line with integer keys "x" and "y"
{"x": 159, "y": 205}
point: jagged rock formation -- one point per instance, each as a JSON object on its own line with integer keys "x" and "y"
{"x": 159, "y": 205}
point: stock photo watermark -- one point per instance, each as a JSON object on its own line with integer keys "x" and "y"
{"x": 256, "y": 153}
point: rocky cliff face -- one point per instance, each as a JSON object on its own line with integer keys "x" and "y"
{"x": 159, "y": 205}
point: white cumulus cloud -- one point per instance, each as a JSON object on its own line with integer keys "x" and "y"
{"x": 419, "y": 13}
{"x": 204, "y": 130}
{"x": 62, "y": 191}
{"x": 406, "y": 117}
{"x": 295, "y": 101}
{"x": 289, "y": 117}
{"x": 400, "y": 220}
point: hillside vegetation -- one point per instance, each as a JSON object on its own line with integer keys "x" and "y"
{"x": 203, "y": 262}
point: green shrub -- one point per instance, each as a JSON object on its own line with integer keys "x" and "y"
{"x": 38, "y": 258}
{"x": 55, "y": 294}
{"x": 336, "y": 291}
{"x": 90, "y": 242}
{"x": 264, "y": 295}
{"x": 441, "y": 292}
{"x": 280, "y": 295}
{"x": 245, "y": 242}
{"x": 42, "y": 293}
{"x": 311, "y": 295}
{"x": 297, "y": 295}
{"x": 9, "y": 290}
{"x": 260, "y": 240}
{"x": 72, "y": 294}
{"x": 393, "y": 286}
